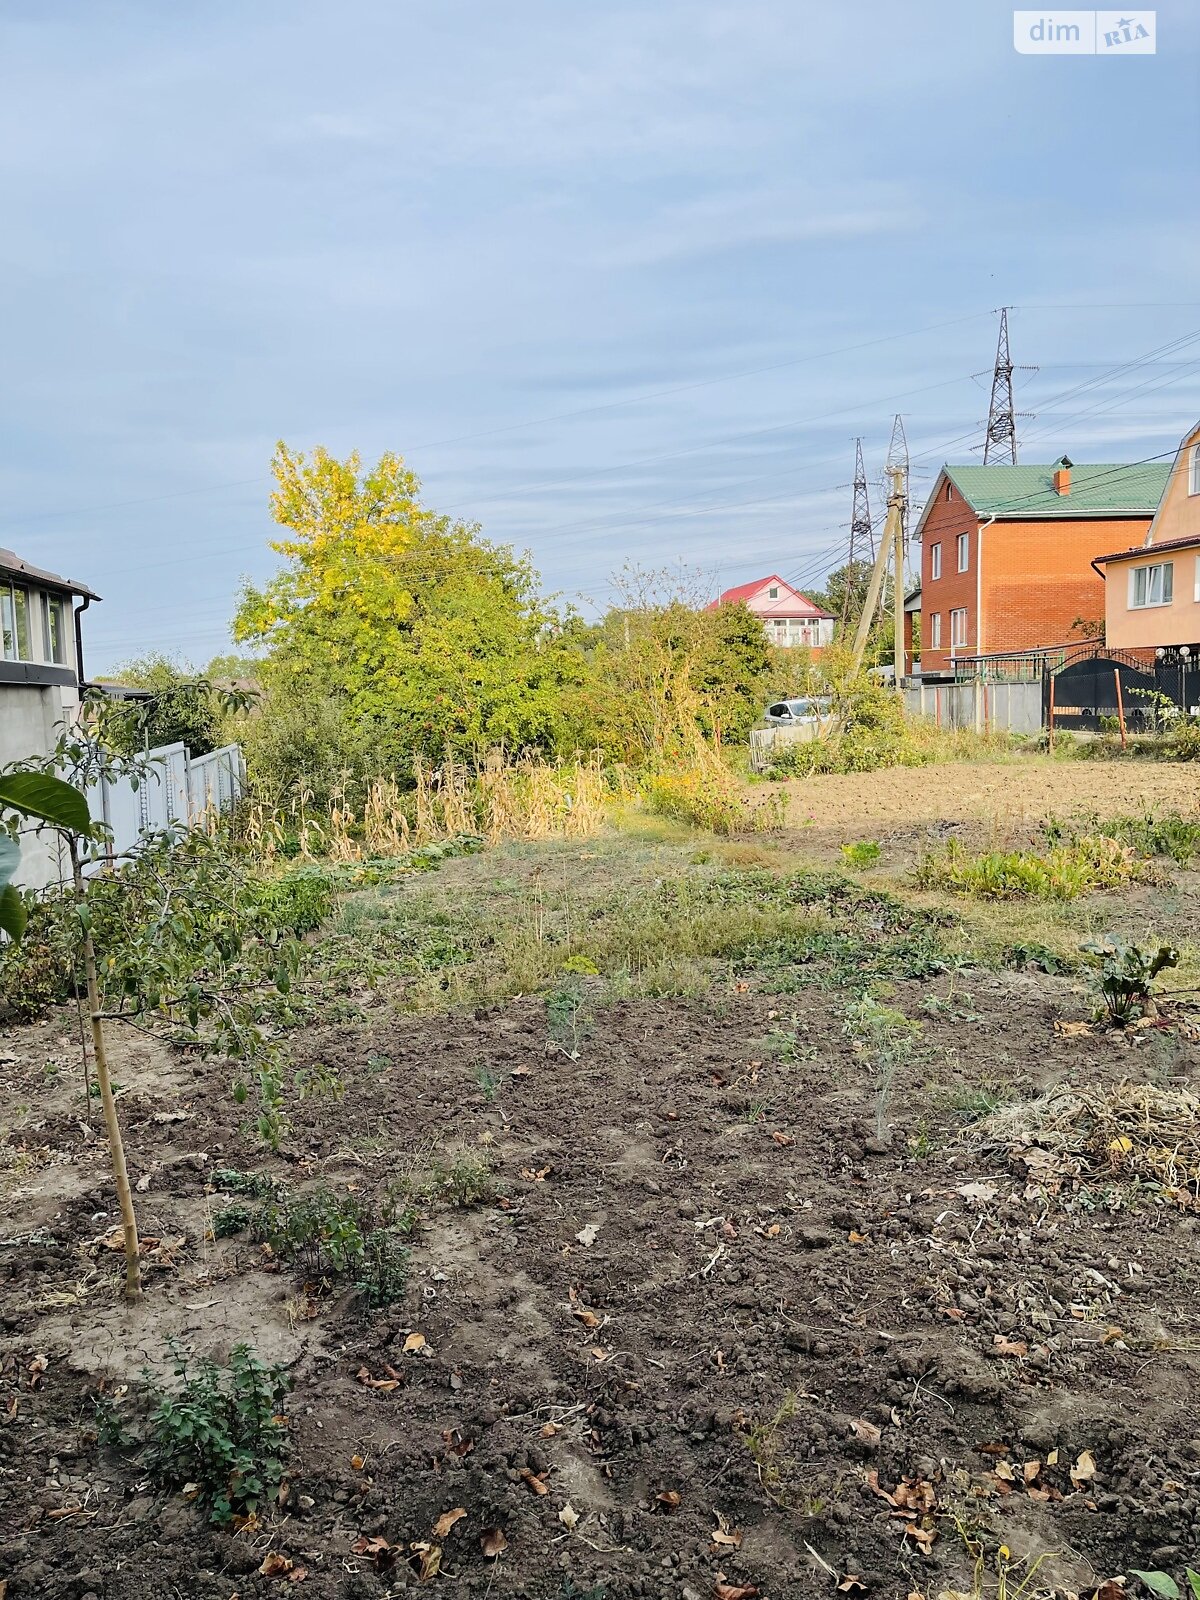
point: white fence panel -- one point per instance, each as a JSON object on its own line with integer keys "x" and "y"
{"x": 176, "y": 791}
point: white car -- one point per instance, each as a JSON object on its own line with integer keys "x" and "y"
{"x": 792, "y": 713}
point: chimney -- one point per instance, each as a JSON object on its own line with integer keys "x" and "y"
{"x": 1062, "y": 476}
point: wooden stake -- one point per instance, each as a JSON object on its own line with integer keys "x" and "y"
{"x": 1120, "y": 704}
{"x": 116, "y": 1148}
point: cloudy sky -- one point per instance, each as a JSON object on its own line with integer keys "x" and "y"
{"x": 621, "y": 280}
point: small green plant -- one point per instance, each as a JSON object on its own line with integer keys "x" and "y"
{"x": 465, "y": 1179}
{"x": 111, "y": 1432}
{"x": 568, "y": 1015}
{"x": 1038, "y": 957}
{"x": 886, "y": 1036}
{"x": 487, "y": 1081}
{"x": 1126, "y": 974}
{"x": 221, "y": 1429}
{"x": 1163, "y": 1585}
{"x": 862, "y": 853}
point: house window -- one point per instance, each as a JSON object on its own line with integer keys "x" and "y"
{"x": 958, "y": 628}
{"x": 14, "y": 623}
{"x": 1194, "y": 470}
{"x": 949, "y": 492}
{"x": 935, "y": 561}
{"x": 935, "y": 631}
{"x": 773, "y": 592}
{"x": 1152, "y": 586}
{"x": 54, "y": 628}
{"x": 964, "y": 551}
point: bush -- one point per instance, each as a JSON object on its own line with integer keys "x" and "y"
{"x": 334, "y": 1238}
{"x": 295, "y": 902}
{"x": 708, "y": 795}
{"x": 222, "y": 1431}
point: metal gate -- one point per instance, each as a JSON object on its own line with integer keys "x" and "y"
{"x": 1079, "y": 695}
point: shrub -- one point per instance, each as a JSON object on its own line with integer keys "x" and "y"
{"x": 708, "y": 795}
{"x": 1126, "y": 975}
{"x": 334, "y": 1238}
{"x": 862, "y": 852}
{"x": 1064, "y": 872}
{"x": 221, "y": 1430}
{"x": 297, "y": 901}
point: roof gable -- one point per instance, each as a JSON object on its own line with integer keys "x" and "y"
{"x": 790, "y": 601}
{"x": 1027, "y": 493}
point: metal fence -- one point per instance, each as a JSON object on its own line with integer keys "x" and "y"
{"x": 178, "y": 790}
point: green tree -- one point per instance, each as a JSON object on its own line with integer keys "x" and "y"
{"x": 426, "y": 637}
{"x": 182, "y": 704}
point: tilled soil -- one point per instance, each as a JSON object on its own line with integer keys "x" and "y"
{"x": 715, "y": 1338}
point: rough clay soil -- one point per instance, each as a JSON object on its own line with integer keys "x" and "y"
{"x": 774, "y": 1305}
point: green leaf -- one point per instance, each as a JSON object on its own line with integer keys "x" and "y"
{"x": 36, "y": 794}
{"x": 13, "y": 915}
{"x": 1160, "y": 1583}
{"x": 12, "y": 907}
{"x": 1193, "y": 1579}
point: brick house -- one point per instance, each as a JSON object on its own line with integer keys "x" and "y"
{"x": 788, "y": 617}
{"x": 1152, "y": 590}
{"x": 1007, "y": 552}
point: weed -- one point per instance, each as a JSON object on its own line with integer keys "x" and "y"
{"x": 862, "y": 853}
{"x": 886, "y": 1035}
{"x": 1163, "y": 1585}
{"x": 1064, "y": 872}
{"x": 486, "y": 1079}
{"x": 568, "y": 1015}
{"x": 464, "y": 1179}
{"x": 1172, "y": 834}
{"x": 111, "y": 1432}
{"x": 334, "y": 1239}
{"x": 221, "y": 1429}
{"x": 973, "y": 1102}
{"x": 1039, "y": 957}
{"x": 1126, "y": 975}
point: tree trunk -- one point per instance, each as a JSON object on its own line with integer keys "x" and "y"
{"x": 116, "y": 1149}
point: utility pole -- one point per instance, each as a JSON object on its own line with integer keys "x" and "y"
{"x": 891, "y": 550}
{"x": 897, "y": 463}
{"x": 1001, "y": 437}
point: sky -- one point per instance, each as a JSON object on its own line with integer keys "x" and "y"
{"x": 622, "y": 281}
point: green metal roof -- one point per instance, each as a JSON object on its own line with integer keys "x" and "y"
{"x": 1024, "y": 491}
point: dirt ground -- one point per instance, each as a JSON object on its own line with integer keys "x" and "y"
{"x": 742, "y": 1319}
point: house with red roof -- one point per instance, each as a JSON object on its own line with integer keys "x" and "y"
{"x": 789, "y": 617}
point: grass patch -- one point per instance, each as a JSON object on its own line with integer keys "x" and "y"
{"x": 1063, "y": 872}
{"x": 1172, "y": 835}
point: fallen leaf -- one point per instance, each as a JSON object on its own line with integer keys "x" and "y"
{"x": 866, "y": 1432}
{"x": 276, "y": 1565}
{"x": 1072, "y": 1030}
{"x": 36, "y": 1368}
{"x": 734, "y": 1591}
{"x": 783, "y": 1138}
{"x": 368, "y": 1382}
{"x": 493, "y": 1542}
{"x": 993, "y": 1449}
{"x": 538, "y": 1176}
{"x": 429, "y": 1559}
{"x": 977, "y": 1191}
{"x": 772, "y": 1232}
{"x": 669, "y": 1499}
{"x": 921, "y": 1536}
{"x": 569, "y": 1517}
{"x": 1009, "y": 1347}
{"x": 726, "y": 1534}
{"x": 533, "y": 1481}
{"x": 447, "y": 1520}
{"x": 522, "y": 1071}
{"x": 358, "y": 1463}
{"x": 587, "y": 1235}
{"x": 1030, "y": 1470}
{"x": 588, "y": 1318}
{"x": 456, "y": 1443}
{"x": 1084, "y": 1469}
{"x": 857, "y": 1238}
{"x": 380, "y": 1551}
{"x": 549, "y": 1429}
{"x": 1004, "y": 1472}
{"x": 852, "y": 1584}
{"x": 414, "y": 1342}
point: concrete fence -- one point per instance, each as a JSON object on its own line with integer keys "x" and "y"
{"x": 986, "y": 707}
{"x": 178, "y": 790}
